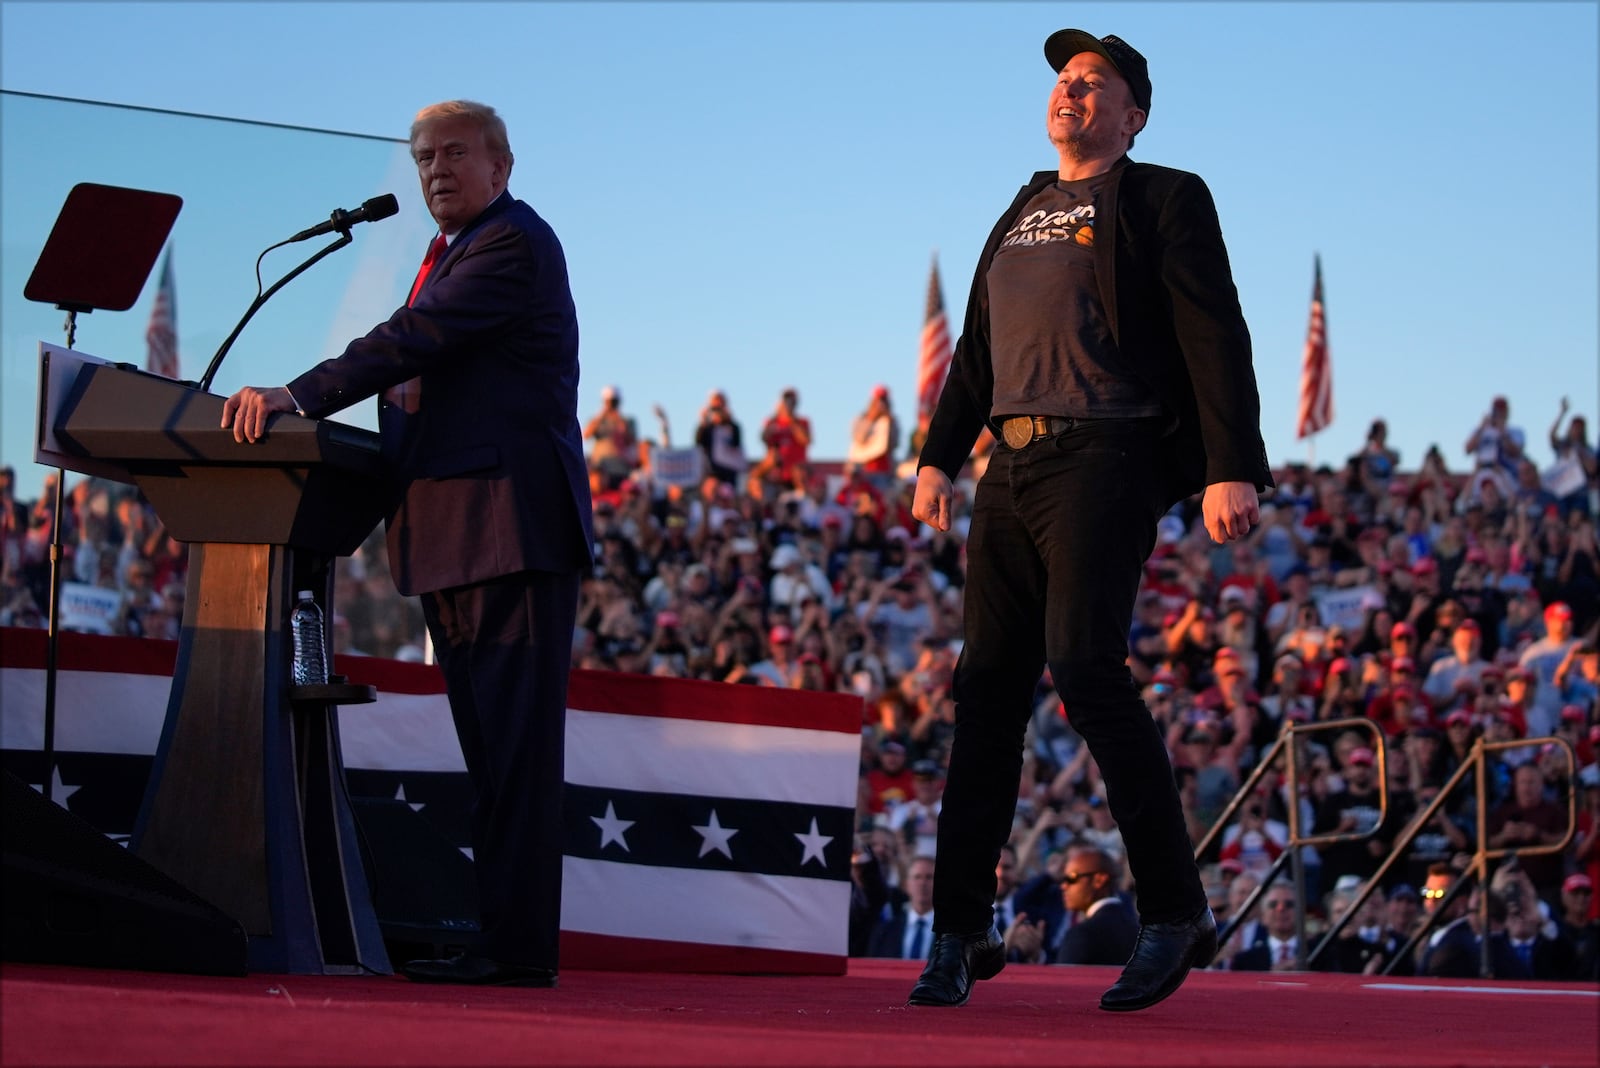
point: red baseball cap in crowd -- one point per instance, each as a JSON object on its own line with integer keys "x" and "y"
{"x": 1340, "y": 664}
{"x": 1469, "y": 624}
{"x": 881, "y": 391}
{"x": 1424, "y": 566}
{"x": 1458, "y": 718}
{"x": 780, "y": 634}
{"x": 1227, "y": 661}
{"x": 1362, "y": 755}
{"x": 1558, "y": 610}
{"x": 1402, "y": 627}
{"x": 1573, "y": 714}
{"x": 1577, "y": 882}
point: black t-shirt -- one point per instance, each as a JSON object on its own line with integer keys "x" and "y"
{"x": 1053, "y": 352}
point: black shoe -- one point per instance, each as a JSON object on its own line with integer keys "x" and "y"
{"x": 957, "y": 961}
{"x": 1161, "y": 959}
{"x": 472, "y": 970}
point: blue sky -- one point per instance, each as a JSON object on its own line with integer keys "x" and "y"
{"x": 750, "y": 194}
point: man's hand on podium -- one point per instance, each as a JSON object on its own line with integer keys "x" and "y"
{"x": 247, "y": 410}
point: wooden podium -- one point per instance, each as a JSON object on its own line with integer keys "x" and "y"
{"x": 246, "y": 803}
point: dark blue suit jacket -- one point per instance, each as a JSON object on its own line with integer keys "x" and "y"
{"x": 889, "y": 935}
{"x": 1107, "y": 937}
{"x": 491, "y": 464}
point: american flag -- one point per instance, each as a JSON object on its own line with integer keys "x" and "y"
{"x": 1316, "y": 373}
{"x": 161, "y": 336}
{"x": 709, "y": 828}
{"x": 934, "y": 362}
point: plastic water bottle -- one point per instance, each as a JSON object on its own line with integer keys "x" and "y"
{"x": 310, "y": 666}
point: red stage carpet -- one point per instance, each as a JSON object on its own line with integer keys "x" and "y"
{"x": 1031, "y": 1015}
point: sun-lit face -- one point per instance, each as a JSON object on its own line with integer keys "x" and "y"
{"x": 1241, "y": 887}
{"x": 1083, "y": 881}
{"x": 1433, "y": 891}
{"x": 1091, "y": 112}
{"x": 1005, "y": 873}
{"x": 919, "y": 884}
{"x": 1277, "y": 912}
{"x": 460, "y": 174}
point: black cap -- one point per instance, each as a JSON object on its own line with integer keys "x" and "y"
{"x": 1062, "y": 45}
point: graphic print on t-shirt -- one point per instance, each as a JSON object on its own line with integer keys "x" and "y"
{"x": 1043, "y": 227}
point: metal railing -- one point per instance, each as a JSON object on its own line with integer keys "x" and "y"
{"x": 1476, "y": 764}
{"x": 1286, "y": 743}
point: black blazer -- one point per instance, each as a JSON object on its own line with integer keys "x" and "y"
{"x": 1255, "y": 957}
{"x": 1107, "y": 937}
{"x": 491, "y": 464}
{"x": 1172, "y": 308}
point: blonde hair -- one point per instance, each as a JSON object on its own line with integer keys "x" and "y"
{"x": 481, "y": 115}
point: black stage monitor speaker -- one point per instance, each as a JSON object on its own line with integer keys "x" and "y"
{"x": 73, "y": 896}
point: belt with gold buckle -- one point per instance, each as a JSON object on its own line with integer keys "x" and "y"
{"x": 1021, "y": 431}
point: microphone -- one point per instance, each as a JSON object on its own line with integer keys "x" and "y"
{"x": 341, "y": 220}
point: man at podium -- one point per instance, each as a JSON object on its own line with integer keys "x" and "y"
{"x": 478, "y": 377}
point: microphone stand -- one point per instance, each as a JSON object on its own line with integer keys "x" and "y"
{"x": 262, "y": 298}
{"x": 52, "y": 644}
{"x": 53, "y": 638}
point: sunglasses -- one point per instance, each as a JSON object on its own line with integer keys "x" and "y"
{"x": 1433, "y": 895}
{"x": 1280, "y": 904}
{"x": 1071, "y": 878}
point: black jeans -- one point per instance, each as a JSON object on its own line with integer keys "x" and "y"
{"x": 1060, "y": 532}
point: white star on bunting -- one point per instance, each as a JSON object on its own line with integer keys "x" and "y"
{"x": 59, "y": 791}
{"x": 715, "y": 836}
{"x": 613, "y": 829}
{"x": 813, "y": 844}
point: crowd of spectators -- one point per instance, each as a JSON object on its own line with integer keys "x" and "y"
{"x": 1433, "y": 606}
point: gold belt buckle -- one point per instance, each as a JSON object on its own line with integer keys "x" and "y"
{"x": 1017, "y": 431}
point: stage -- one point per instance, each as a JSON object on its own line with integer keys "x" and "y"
{"x": 1029, "y": 1015}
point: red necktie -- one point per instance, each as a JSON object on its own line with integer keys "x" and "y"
{"x": 408, "y": 393}
{"x": 435, "y": 250}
